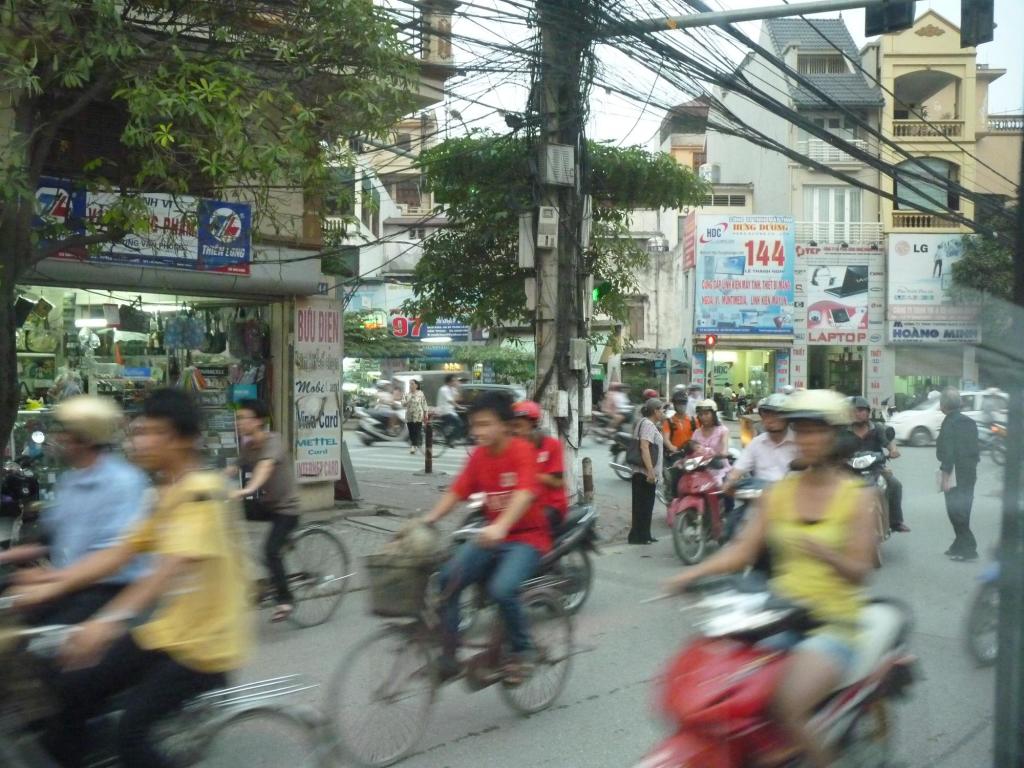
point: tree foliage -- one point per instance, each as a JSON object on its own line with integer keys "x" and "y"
{"x": 984, "y": 275}
{"x": 363, "y": 338}
{"x": 470, "y": 270}
{"x": 243, "y": 100}
{"x": 510, "y": 365}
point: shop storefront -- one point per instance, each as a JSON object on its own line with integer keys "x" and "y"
{"x": 840, "y": 310}
{"x": 932, "y": 339}
{"x": 119, "y": 331}
{"x": 744, "y": 303}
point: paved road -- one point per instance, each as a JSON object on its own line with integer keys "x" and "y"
{"x": 603, "y": 718}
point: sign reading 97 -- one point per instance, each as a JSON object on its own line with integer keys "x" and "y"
{"x": 406, "y": 327}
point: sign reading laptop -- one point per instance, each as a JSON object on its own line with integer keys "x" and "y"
{"x": 837, "y": 302}
{"x": 744, "y": 274}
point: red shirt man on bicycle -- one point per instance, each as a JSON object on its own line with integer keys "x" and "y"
{"x": 507, "y": 551}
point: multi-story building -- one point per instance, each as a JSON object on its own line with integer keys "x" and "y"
{"x": 963, "y": 164}
{"x": 823, "y": 214}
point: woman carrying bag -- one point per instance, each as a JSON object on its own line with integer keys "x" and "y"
{"x": 645, "y": 457}
{"x": 415, "y": 411}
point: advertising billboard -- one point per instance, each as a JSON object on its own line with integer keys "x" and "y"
{"x": 837, "y": 302}
{"x": 745, "y": 274}
{"x": 317, "y": 375}
{"x": 921, "y": 308}
{"x": 180, "y": 231}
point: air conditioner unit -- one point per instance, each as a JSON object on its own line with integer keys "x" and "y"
{"x": 558, "y": 165}
{"x": 711, "y": 172}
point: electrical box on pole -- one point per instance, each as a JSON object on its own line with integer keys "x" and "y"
{"x": 893, "y": 16}
{"x": 558, "y": 165}
{"x": 527, "y": 246}
{"x": 977, "y": 22}
{"x": 547, "y": 227}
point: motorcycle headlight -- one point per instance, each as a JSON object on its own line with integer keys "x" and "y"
{"x": 691, "y": 464}
{"x": 862, "y": 462}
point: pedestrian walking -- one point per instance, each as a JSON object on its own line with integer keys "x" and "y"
{"x": 415, "y": 412}
{"x": 646, "y": 472}
{"x": 957, "y": 452}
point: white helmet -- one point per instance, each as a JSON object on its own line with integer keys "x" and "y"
{"x": 819, "y": 405}
{"x": 96, "y": 420}
{"x": 709, "y": 404}
{"x": 776, "y": 403}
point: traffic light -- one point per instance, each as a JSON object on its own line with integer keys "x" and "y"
{"x": 710, "y": 340}
{"x": 891, "y": 16}
{"x": 977, "y": 22}
{"x": 601, "y": 290}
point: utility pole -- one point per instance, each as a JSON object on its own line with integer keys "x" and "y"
{"x": 561, "y": 309}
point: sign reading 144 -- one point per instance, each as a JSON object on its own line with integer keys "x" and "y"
{"x": 765, "y": 252}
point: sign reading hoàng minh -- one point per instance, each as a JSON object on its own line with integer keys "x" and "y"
{"x": 317, "y": 376}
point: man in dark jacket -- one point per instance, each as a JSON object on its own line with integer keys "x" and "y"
{"x": 957, "y": 451}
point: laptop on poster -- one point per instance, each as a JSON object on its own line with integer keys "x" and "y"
{"x": 854, "y": 281}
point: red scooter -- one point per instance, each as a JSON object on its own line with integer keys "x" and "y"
{"x": 696, "y": 514}
{"x": 716, "y": 693}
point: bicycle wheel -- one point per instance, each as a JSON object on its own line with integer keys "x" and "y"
{"x": 379, "y": 699}
{"x": 319, "y": 571}
{"x": 551, "y": 632}
{"x": 263, "y": 737}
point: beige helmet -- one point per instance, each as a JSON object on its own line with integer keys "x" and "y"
{"x": 711, "y": 404}
{"x": 819, "y": 405}
{"x": 95, "y": 420}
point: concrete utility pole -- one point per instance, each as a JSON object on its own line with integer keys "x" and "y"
{"x": 561, "y": 308}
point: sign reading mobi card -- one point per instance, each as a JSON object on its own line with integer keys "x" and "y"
{"x": 317, "y": 394}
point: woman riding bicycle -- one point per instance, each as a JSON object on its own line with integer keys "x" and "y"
{"x": 819, "y": 525}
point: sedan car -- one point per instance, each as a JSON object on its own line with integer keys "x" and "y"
{"x": 920, "y": 425}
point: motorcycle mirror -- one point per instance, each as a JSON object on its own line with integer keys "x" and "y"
{"x": 890, "y": 434}
{"x": 38, "y": 437}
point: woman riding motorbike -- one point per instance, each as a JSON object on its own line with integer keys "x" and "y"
{"x": 819, "y": 526}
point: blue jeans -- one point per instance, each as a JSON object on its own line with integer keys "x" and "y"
{"x": 504, "y": 567}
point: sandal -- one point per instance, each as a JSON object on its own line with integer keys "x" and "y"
{"x": 282, "y": 613}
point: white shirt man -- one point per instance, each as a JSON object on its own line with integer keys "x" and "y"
{"x": 766, "y": 457}
{"x": 447, "y": 398}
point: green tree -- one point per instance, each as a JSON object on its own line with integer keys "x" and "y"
{"x": 364, "y": 337}
{"x": 511, "y": 365}
{"x": 984, "y": 275}
{"x": 470, "y": 270}
{"x": 243, "y": 100}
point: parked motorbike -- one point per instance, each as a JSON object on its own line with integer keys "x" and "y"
{"x": 983, "y": 619}
{"x": 696, "y": 514}
{"x": 570, "y": 556}
{"x": 19, "y": 496}
{"x": 870, "y": 466}
{"x": 381, "y": 425}
{"x": 717, "y": 692}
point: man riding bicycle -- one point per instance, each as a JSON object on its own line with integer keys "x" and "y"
{"x": 197, "y": 592}
{"x": 507, "y": 551}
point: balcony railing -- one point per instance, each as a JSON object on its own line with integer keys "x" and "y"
{"x": 821, "y": 151}
{"x": 859, "y": 233}
{"x": 918, "y": 220}
{"x": 1006, "y": 124}
{"x": 920, "y": 129}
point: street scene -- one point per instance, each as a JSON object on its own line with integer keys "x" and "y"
{"x": 456, "y": 383}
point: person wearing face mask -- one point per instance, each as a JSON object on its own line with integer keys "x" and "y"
{"x": 871, "y": 437}
{"x": 770, "y": 454}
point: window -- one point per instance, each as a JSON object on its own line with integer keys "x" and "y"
{"x": 417, "y": 233}
{"x": 724, "y": 201}
{"x": 832, "y": 204}
{"x": 917, "y": 187}
{"x": 407, "y": 193}
{"x": 822, "y": 64}
{"x": 404, "y": 142}
{"x": 699, "y": 159}
{"x": 636, "y": 320}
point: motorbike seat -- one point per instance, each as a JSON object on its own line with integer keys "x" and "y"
{"x": 883, "y": 625}
{"x": 573, "y": 516}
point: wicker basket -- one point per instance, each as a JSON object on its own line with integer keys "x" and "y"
{"x": 398, "y": 585}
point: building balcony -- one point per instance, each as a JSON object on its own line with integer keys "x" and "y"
{"x": 1006, "y": 124}
{"x": 821, "y": 151}
{"x": 857, "y": 233}
{"x": 931, "y": 129}
{"x": 922, "y": 221}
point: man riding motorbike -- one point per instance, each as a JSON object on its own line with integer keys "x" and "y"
{"x": 820, "y": 526}
{"x": 507, "y": 551}
{"x": 97, "y": 502}
{"x": 871, "y": 437}
{"x": 550, "y": 461}
{"x": 678, "y": 428}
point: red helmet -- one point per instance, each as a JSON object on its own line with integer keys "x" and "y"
{"x": 649, "y": 393}
{"x": 526, "y": 409}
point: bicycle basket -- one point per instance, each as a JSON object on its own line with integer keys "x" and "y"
{"x": 398, "y": 583}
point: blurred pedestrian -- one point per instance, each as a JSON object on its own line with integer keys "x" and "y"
{"x": 957, "y": 451}
{"x": 415, "y": 412}
{"x": 646, "y": 473}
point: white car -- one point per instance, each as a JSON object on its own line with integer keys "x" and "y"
{"x": 920, "y": 425}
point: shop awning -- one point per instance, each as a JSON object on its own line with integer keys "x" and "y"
{"x": 767, "y": 341}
